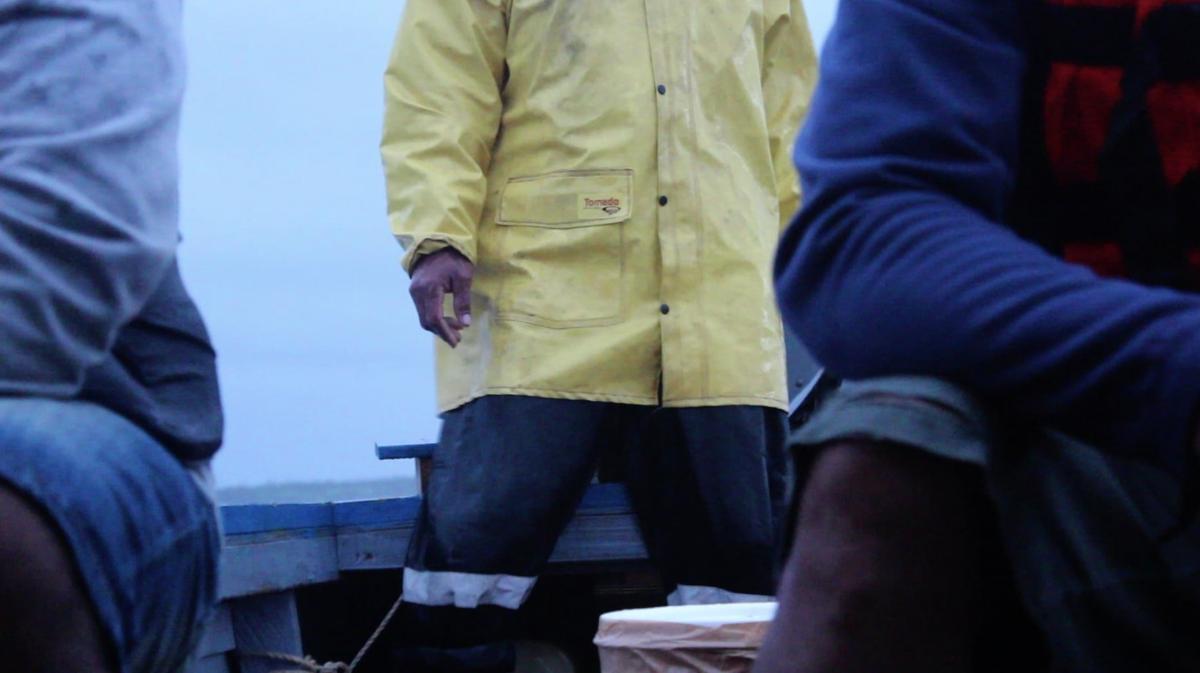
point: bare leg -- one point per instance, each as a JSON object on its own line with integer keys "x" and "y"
{"x": 884, "y": 568}
{"x": 47, "y": 623}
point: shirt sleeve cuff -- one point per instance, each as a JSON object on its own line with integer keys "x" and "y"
{"x": 430, "y": 245}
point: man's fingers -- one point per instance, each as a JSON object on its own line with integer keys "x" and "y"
{"x": 448, "y": 334}
{"x": 434, "y": 310}
{"x": 460, "y": 285}
{"x": 419, "y": 299}
{"x": 423, "y": 300}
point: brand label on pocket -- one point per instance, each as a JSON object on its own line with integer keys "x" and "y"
{"x": 602, "y": 206}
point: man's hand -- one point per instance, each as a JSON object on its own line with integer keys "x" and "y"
{"x": 433, "y": 276}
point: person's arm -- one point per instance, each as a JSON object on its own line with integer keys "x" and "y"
{"x": 443, "y": 109}
{"x": 789, "y": 75}
{"x": 443, "y": 106}
{"x": 89, "y": 109}
{"x": 898, "y": 263}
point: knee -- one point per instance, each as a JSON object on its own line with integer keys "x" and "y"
{"x": 46, "y": 619}
{"x": 883, "y": 490}
{"x": 883, "y": 559}
{"x": 33, "y": 559}
{"x": 876, "y": 515}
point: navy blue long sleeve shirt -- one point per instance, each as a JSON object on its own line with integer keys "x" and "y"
{"x": 901, "y": 262}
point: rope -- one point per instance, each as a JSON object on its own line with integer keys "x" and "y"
{"x": 362, "y": 652}
{"x": 309, "y": 665}
{"x": 306, "y": 664}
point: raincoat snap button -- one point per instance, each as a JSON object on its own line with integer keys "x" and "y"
{"x": 664, "y": 309}
{"x": 662, "y": 88}
{"x": 662, "y": 200}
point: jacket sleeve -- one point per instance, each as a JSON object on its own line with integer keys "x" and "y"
{"x": 443, "y": 109}
{"x": 789, "y": 76}
{"x": 899, "y": 263}
{"x": 88, "y": 181}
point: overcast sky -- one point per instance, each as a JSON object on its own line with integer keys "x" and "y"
{"x": 286, "y": 243}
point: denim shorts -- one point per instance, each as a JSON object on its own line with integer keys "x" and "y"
{"x": 1105, "y": 550}
{"x": 141, "y": 529}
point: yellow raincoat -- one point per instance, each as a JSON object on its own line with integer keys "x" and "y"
{"x": 619, "y": 172}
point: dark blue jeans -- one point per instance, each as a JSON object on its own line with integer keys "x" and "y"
{"x": 140, "y": 528}
{"x": 707, "y": 484}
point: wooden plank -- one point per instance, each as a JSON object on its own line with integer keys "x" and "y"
{"x": 401, "y": 451}
{"x": 588, "y": 538}
{"x": 398, "y": 512}
{"x": 373, "y": 535}
{"x": 218, "y": 635}
{"x": 257, "y": 565}
{"x": 373, "y": 549}
{"x": 600, "y": 537}
{"x": 265, "y": 624}
{"x": 216, "y": 663}
{"x": 383, "y": 513}
{"x": 250, "y": 519}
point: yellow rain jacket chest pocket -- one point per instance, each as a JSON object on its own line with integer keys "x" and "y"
{"x": 561, "y": 238}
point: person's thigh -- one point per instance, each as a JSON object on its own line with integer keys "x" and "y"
{"x": 139, "y": 529}
{"x": 709, "y": 487}
{"x": 883, "y": 567}
{"x": 507, "y": 476}
{"x": 47, "y": 622}
{"x": 895, "y": 562}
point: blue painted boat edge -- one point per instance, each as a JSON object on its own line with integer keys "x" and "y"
{"x": 400, "y": 451}
{"x": 248, "y": 519}
{"x": 395, "y": 512}
{"x": 381, "y": 513}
